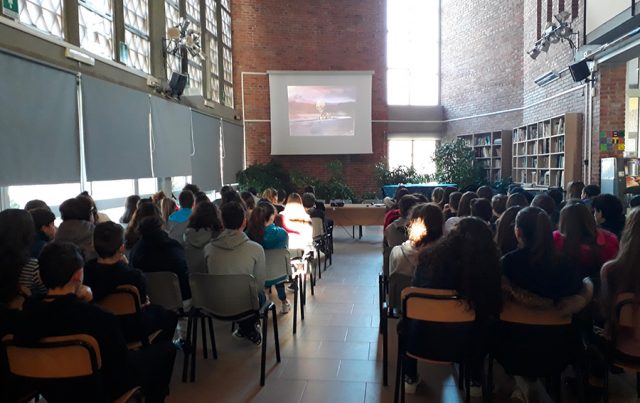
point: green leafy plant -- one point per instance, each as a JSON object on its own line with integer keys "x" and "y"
{"x": 502, "y": 185}
{"x": 455, "y": 163}
{"x": 262, "y": 176}
{"x": 335, "y": 188}
{"x": 401, "y": 174}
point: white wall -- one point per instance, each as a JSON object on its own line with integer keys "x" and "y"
{"x": 601, "y": 11}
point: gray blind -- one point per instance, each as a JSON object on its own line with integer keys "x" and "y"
{"x": 116, "y": 131}
{"x": 205, "y": 163}
{"x": 39, "y": 124}
{"x": 171, "y": 127}
{"x": 234, "y": 152}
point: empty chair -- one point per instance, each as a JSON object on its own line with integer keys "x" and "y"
{"x": 163, "y": 288}
{"x": 229, "y": 297}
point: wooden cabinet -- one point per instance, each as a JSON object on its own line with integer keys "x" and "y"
{"x": 492, "y": 151}
{"x": 549, "y": 152}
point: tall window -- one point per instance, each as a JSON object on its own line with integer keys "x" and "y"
{"x": 227, "y": 95}
{"x": 172, "y": 12}
{"x": 416, "y": 153}
{"x": 136, "y": 33}
{"x": 44, "y": 15}
{"x": 413, "y": 52}
{"x": 95, "y": 18}
{"x": 213, "y": 56}
{"x": 194, "y": 63}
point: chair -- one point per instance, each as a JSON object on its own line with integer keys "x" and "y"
{"x": 74, "y": 358}
{"x": 534, "y": 343}
{"x": 328, "y": 236}
{"x": 302, "y": 256}
{"x": 436, "y": 326}
{"x": 319, "y": 242}
{"x": 391, "y": 310}
{"x": 125, "y": 301}
{"x": 278, "y": 265}
{"x": 229, "y": 297}
{"x": 625, "y": 327}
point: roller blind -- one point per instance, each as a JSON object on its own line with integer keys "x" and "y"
{"x": 205, "y": 163}
{"x": 39, "y": 124}
{"x": 116, "y": 129}
{"x": 233, "y": 160}
{"x": 171, "y": 128}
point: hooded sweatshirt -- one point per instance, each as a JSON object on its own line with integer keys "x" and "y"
{"x": 194, "y": 242}
{"x": 232, "y": 252}
{"x": 79, "y": 232}
{"x": 403, "y": 259}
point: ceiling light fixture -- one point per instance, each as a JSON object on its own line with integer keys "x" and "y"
{"x": 182, "y": 37}
{"x": 554, "y": 33}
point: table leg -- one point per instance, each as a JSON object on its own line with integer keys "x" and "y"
{"x": 360, "y": 229}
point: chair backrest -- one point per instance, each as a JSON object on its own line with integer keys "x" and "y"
{"x": 163, "y": 288}
{"x": 224, "y": 295}
{"x": 435, "y": 305}
{"x": 58, "y": 357}
{"x": 278, "y": 263}
{"x": 397, "y": 283}
{"x": 519, "y": 314}
{"x": 318, "y": 226}
{"x": 627, "y": 311}
{"x": 124, "y": 300}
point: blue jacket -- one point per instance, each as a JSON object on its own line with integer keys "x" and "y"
{"x": 275, "y": 237}
{"x": 181, "y": 215}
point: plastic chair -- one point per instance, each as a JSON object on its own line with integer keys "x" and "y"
{"x": 391, "y": 310}
{"x": 445, "y": 337}
{"x": 302, "y": 256}
{"x": 278, "y": 265}
{"x": 319, "y": 242}
{"x": 229, "y": 297}
{"x": 73, "y": 358}
{"x": 163, "y": 288}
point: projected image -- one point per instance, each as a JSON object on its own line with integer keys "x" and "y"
{"x": 321, "y": 110}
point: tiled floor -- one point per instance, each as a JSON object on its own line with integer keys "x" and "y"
{"x": 337, "y": 354}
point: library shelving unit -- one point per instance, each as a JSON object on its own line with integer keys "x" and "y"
{"x": 548, "y": 153}
{"x": 492, "y": 151}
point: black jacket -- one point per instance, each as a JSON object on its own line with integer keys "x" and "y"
{"x": 104, "y": 278}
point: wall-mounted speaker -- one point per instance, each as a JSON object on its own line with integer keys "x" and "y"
{"x": 580, "y": 71}
{"x": 177, "y": 83}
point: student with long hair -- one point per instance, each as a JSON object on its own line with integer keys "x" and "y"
{"x": 451, "y": 208}
{"x": 262, "y": 229}
{"x": 587, "y": 246}
{"x": 167, "y": 207}
{"x": 464, "y": 210}
{"x": 297, "y": 223}
{"x": 145, "y": 209}
{"x": 204, "y": 225}
{"x": 505, "y": 230}
{"x": 130, "y": 207}
{"x": 437, "y": 196}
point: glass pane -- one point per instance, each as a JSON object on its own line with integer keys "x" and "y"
{"x": 172, "y": 14}
{"x": 227, "y": 64}
{"x": 174, "y": 63}
{"x": 99, "y": 6}
{"x": 136, "y": 15}
{"x": 101, "y": 190}
{"x": 147, "y": 186}
{"x": 138, "y": 51}
{"x": 398, "y": 51}
{"x": 53, "y": 195}
{"x": 226, "y": 4}
{"x": 210, "y": 16}
{"x": 213, "y": 92}
{"x": 44, "y": 15}
{"x": 96, "y": 32}
{"x": 397, "y": 87}
{"x": 423, "y": 156}
{"x": 423, "y": 89}
{"x": 226, "y": 28}
{"x": 177, "y": 183}
{"x": 193, "y": 12}
{"x": 228, "y": 95}
{"x": 214, "y": 89}
{"x": 195, "y": 76}
{"x": 399, "y": 153}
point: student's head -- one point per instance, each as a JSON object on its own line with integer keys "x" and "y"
{"x": 158, "y": 197}
{"x": 16, "y": 236}
{"x": 437, "y": 195}
{"x": 426, "y": 224}
{"x": 150, "y": 226}
{"x": 293, "y": 199}
{"x": 167, "y": 207}
{"x": 499, "y": 204}
{"x": 405, "y": 205}
{"x": 574, "y": 190}
{"x": 108, "y": 239}
{"x": 78, "y": 208}
{"x": 231, "y": 196}
{"x": 248, "y": 200}
{"x": 545, "y": 202}
{"x": 481, "y": 208}
{"x": 186, "y": 199}
{"x": 590, "y": 191}
{"x": 282, "y": 196}
{"x": 225, "y": 189}
{"x": 270, "y": 195}
{"x": 201, "y": 197}
{"x": 264, "y": 214}
{"x": 191, "y": 188}
{"x": 253, "y": 191}
{"x": 130, "y": 207}
{"x": 579, "y": 228}
{"x": 517, "y": 199}
{"x": 513, "y": 188}
{"x": 145, "y": 209}
{"x": 556, "y": 194}
{"x": 607, "y": 207}
{"x": 309, "y": 189}
{"x": 464, "y": 207}
{"x": 43, "y": 221}
{"x": 447, "y": 193}
{"x": 205, "y": 216}
{"x": 421, "y": 198}
{"x": 485, "y": 192}
{"x": 308, "y": 200}
{"x": 454, "y": 201}
{"x": 400, "y": 191}
{"x": 505, "y": 230}
{"x": 534, "y": 232}
{"x": 34, "y": 204}
{"x": 60, "y": 264}
{"x": 233, "y": 216}
{"x": 94, "y": 208}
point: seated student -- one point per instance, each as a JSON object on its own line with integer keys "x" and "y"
{"x": 111, "y": 269}
{"x": 464, "y": 210}
{"x": 310, "y": 206}
{"x": 312, "y": 190}
{"x": 517, "y": 199}
{"x": 451, "y": 209}
{"x": 437, "y": 196}
{"x": 155, "y": 251}
{"x": 283, "y": 197}
{"x": 35, "y": 203}
{"x": 158, "y": 197}
{"x": 77, "y": 225}
{"x": 254, "y": 194}
{"x": 223, "y": 190}
{"x": 396, "y": 233}
{"x": 204, "y": 225}
{"x": 465, "y": 260}
{"x": 261, "y": 229}
{"x": 234, "y": 253}
{"x": 192, "y": 187}
{"x": 393, "y": 212}
{"x": 297, "y": 223}
{"x": 177, "y": 222}
{"x": 588, "y": 193}
{"x": 481, "y": 208}
{"x": 545, "y": 202}
{"x": 98, "y": 217}
{"x": 231, "y": 196}
{"x": 505, "y": 231}
{"x": 64, "y": 311}
{"x": 249, "y": 201}
{"x": 145, "y": 209}
{"x": 574, "y": 192}
{"x": 587, "y": 246}
{"x": 45, "y": 227}
{"x": 498, "y": 205}
{"x": 130, "y": 207}
{"x": 485, "y": 192}
{"x": 200, "y": 197}
{"x": 609, "y": 213}
{"x": 271, "y": 195}
{"x": 167, "y": 207}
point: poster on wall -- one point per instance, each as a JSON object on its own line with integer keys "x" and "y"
{"x": 612, "y": 140}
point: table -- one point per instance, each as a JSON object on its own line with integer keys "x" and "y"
{"x": 356, "y": 215}
{"x": 424, "y": 188}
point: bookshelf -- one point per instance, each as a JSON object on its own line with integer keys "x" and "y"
{"x": 548, "y": 153}
{"x": 492, "y": 151}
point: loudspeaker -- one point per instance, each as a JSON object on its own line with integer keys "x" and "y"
{"x": 177, "y": 84}
{"x": 580, "y": 71}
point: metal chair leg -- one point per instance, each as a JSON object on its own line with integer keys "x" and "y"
{"x": 302, "y": 293}
{"x": 295, "y": 306}
{"x": 212, "y": 336}
{"x": 276, "y": 337}
{"x": 194, "y": 346}
{"x": 188, "y": 350}
{"x": 265, "y": 322}
{"x": 385, "y": 353}
{"x": 203, "y": 321}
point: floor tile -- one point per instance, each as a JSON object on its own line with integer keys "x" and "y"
{"x": 331, "y": 392}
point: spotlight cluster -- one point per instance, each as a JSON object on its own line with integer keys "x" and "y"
{"x": 554, "y": 33}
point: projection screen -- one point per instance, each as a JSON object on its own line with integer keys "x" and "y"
{"x": 320, "y": 112}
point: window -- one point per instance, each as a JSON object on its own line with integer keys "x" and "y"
{"x": 147, "y": 186}
{"x": 101, "y": 190}
{"x": 53, "y": 195}
{"x": 136, "y": 34}
{"x": 416, "y": 153}
{"x": 174, "y": 63}
{"x": 178, "y": 182}
{"x": 194, "y": 63}
{"x": 43, "y": 15}
{"x": 213, "y": 55}
{"x": 96, "y": 26}
{"x": 227, "y": 94}
{"x": 413, "y": 52}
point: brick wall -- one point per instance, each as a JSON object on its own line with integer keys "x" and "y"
{"x": 302, "y": 35}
